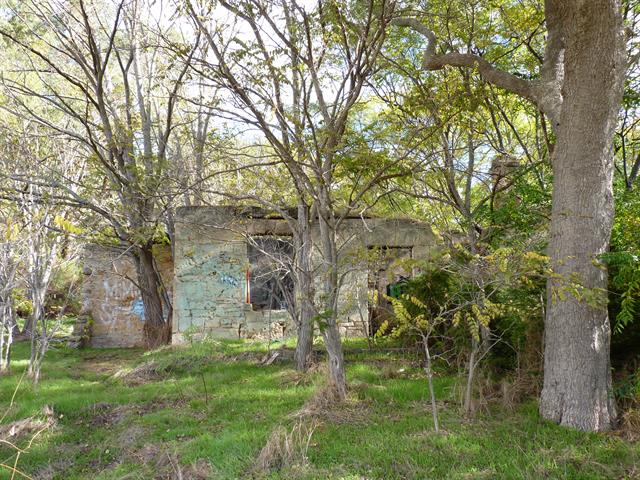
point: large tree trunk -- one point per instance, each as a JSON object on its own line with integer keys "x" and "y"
{"x": 577, "y": 378}
{"x": 157, "y": 330}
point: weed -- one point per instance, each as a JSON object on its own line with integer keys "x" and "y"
{"x": 287, "y": 448}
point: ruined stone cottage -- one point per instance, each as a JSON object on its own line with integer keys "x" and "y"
{"x": 225, "y": 283}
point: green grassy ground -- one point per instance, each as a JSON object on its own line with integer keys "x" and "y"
{"x": 208, "y": 410}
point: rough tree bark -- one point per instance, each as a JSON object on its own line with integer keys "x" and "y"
{"x": 577, "y": 377}
{"x": 579, "y": 89}
{"x": 337, "y": 376}
{"x": 157, "y": 330}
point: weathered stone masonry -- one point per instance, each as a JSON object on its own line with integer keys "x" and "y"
{"x": 111, "y": 299}
{"x": 208, "y": 275}
{"x": 211, "y": 261}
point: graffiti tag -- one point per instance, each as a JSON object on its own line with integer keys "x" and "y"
{"x": 229, "y": 280}
{"x": 138, "y": 309}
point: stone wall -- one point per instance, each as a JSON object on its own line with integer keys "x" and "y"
{"x": 357, "y": 238}
{"x": 111, "y": 299}
{"x": 207, "y": 277}
{"x": 211, "y": 261}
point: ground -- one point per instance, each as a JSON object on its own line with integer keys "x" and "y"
{"x": 214, "y": 410}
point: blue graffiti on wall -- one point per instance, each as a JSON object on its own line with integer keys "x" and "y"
{"x": 138, "y": 309}
{"x": 229, "y": 280}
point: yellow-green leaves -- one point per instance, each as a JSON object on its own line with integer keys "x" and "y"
{"x": 66, "y": 226}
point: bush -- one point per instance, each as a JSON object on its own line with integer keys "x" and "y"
{"x": 425, "y": 296}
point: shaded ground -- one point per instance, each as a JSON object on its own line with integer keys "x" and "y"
{"x": 214, "y": 411}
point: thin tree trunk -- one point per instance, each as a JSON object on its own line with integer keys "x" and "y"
{"x": 38, "y": 329}
{"x": 468, "y": 393}
{"x": 337, "y": 377}
{"x": 28, "y": 326}
{"x": 305, "y": 291}
{"x": 635, "y": 169}
{"x": 429, "y": 371}
{"x": 304, "y": 342}
{"x": 156, "y": 329}
{"x": 7, "y": 328}
{"x": 331, "y": 333}
{"x": 39, "y": 347}
{"x": 577, "y": 377}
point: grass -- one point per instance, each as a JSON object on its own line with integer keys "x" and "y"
{"x": 208, "y": 410}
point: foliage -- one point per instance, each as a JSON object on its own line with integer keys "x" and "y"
{"x": 422, "y": 306}
{"x": 626, "y": 283}
{"x": 624, "y": 259}
{"x": 628, "y": 390}
{"x": 509, "y": 299}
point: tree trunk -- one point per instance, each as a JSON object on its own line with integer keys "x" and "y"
{"x": 7, "y": 328}
{"x": 577, "y": 378}
{"x": 337, "y": 377}
{"x": 331, "y": 332}
{"x": 39, "y": 346}
{"x": 28, "y": 326}
{"x": 429, "y": 371}
{"x": 38, "y": 329}
{"x": 468, "y": 392}
{"x": 304, "y": 291}
{"x": 157, "y": 331}
{"x": 304, "y": 342}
